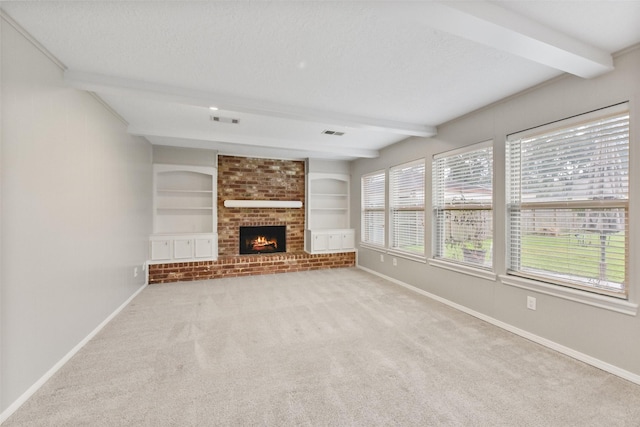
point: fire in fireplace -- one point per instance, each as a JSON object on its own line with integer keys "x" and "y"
{"x": 263, "y": 239}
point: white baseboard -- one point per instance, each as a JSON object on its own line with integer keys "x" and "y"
{"x": 612, "y": 369}
{"x": 31, "y": 390}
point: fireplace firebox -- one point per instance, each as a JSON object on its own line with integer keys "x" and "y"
{"x": 263, "y": 239}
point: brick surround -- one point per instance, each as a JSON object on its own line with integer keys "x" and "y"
{"x": 247, "y": 265}
{"x": 241, "y": 178}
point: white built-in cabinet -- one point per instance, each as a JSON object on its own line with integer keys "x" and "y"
{"x": 184, "y": 213}
{"x": 328, "y": 214}
{"x": 331, "y": 240}
{"x": 183, "y": 247}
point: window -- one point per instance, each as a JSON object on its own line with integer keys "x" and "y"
{"x": 406, "y": 207}
{"x": 567, "y": 202}
{"x": 463, "y": 205}
{"x": 373, "y": 208}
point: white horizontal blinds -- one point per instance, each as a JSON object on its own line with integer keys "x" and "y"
{"x": 373, "y": 208}
{"x": 406, "y": 200}
{"x": 568, "y": 190}
{"x": 463, "y": 205}
{"x": 586, "y": 162}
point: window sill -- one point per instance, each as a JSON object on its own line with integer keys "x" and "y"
{"x": 583, "y": 297}
{"x": 464, "y": 269}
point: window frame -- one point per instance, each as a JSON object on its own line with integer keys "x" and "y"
{"x": 418, "y": 208}
{"x": 365, "y": 208}
{"x": 554, "y": 281}
{"x": 440, "y": 209}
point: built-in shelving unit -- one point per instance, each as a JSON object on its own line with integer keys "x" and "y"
{"x": 328, "y": 213}
{"x": 327, "y": 201}
{"x": 184, "y": 213}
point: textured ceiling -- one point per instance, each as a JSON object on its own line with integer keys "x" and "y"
{"x": 379, "y": 71}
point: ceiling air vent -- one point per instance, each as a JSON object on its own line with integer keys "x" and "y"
{"x": 225, "y": 120}
{"x": 332, "y": 132}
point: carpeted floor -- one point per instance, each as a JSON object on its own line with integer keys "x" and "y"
{"x": 324, "y": 348}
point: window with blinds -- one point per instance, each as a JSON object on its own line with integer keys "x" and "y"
{"x": 406, "y": 207}
{"x": 463, "y": 205}
{"x": 373, "y": 208}
{"x": 567, "y": 202}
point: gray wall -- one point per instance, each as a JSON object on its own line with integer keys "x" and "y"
{"x": 76, "y": 209}
{"x": 602, "y": 334}
{"x": 184, "y": 156}
{"x": 327, "y": 166}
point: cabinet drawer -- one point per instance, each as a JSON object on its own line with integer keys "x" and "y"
{"x": 182, "y": 249}
{"x": 319, "y": 242}
{"x": 334, "y": 242}
{"x": 160, "y": 249}
{"x": 348, "y": 240}
{"x": 204, "y": 248}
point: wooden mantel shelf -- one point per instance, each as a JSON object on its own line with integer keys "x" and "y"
{"x": 262, "y": 204}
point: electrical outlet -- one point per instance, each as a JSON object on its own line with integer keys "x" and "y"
{"x": 395, "y": 262}
{"x": 135, "y": 272}
{"x": 381, "y": 258}
{"x": 531, "y": 303}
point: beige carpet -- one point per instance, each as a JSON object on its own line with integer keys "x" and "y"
{"x": 324, "y": 348}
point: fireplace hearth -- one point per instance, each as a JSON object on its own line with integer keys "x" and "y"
{"x": 265, "y": 239}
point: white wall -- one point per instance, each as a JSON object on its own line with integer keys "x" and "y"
{"x": 607, "y": 336}
{"x": 76, "y": 214}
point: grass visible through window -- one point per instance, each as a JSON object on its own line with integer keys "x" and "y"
{"x": 576, "y": 255}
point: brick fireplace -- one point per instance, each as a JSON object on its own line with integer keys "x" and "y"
{"x": 241, "y": 178}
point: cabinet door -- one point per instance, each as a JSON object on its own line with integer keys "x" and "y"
{"x": 319, "y": 242}
{"x": 160, "y": 249}
{"x": 348, "y": 240}
{"x": 183, "y": 249}
{"x": 204, "y": 248}
{"x": 334, "y": 242}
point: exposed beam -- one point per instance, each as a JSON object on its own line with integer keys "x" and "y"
{"x": 115, "y": 85}
{"x": 232, "y": 140}
{"x": 224, "y": 148}
{"x": 491, "y": 25}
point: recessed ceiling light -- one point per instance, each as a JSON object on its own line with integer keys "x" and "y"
{"x": 212, "y": 108}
